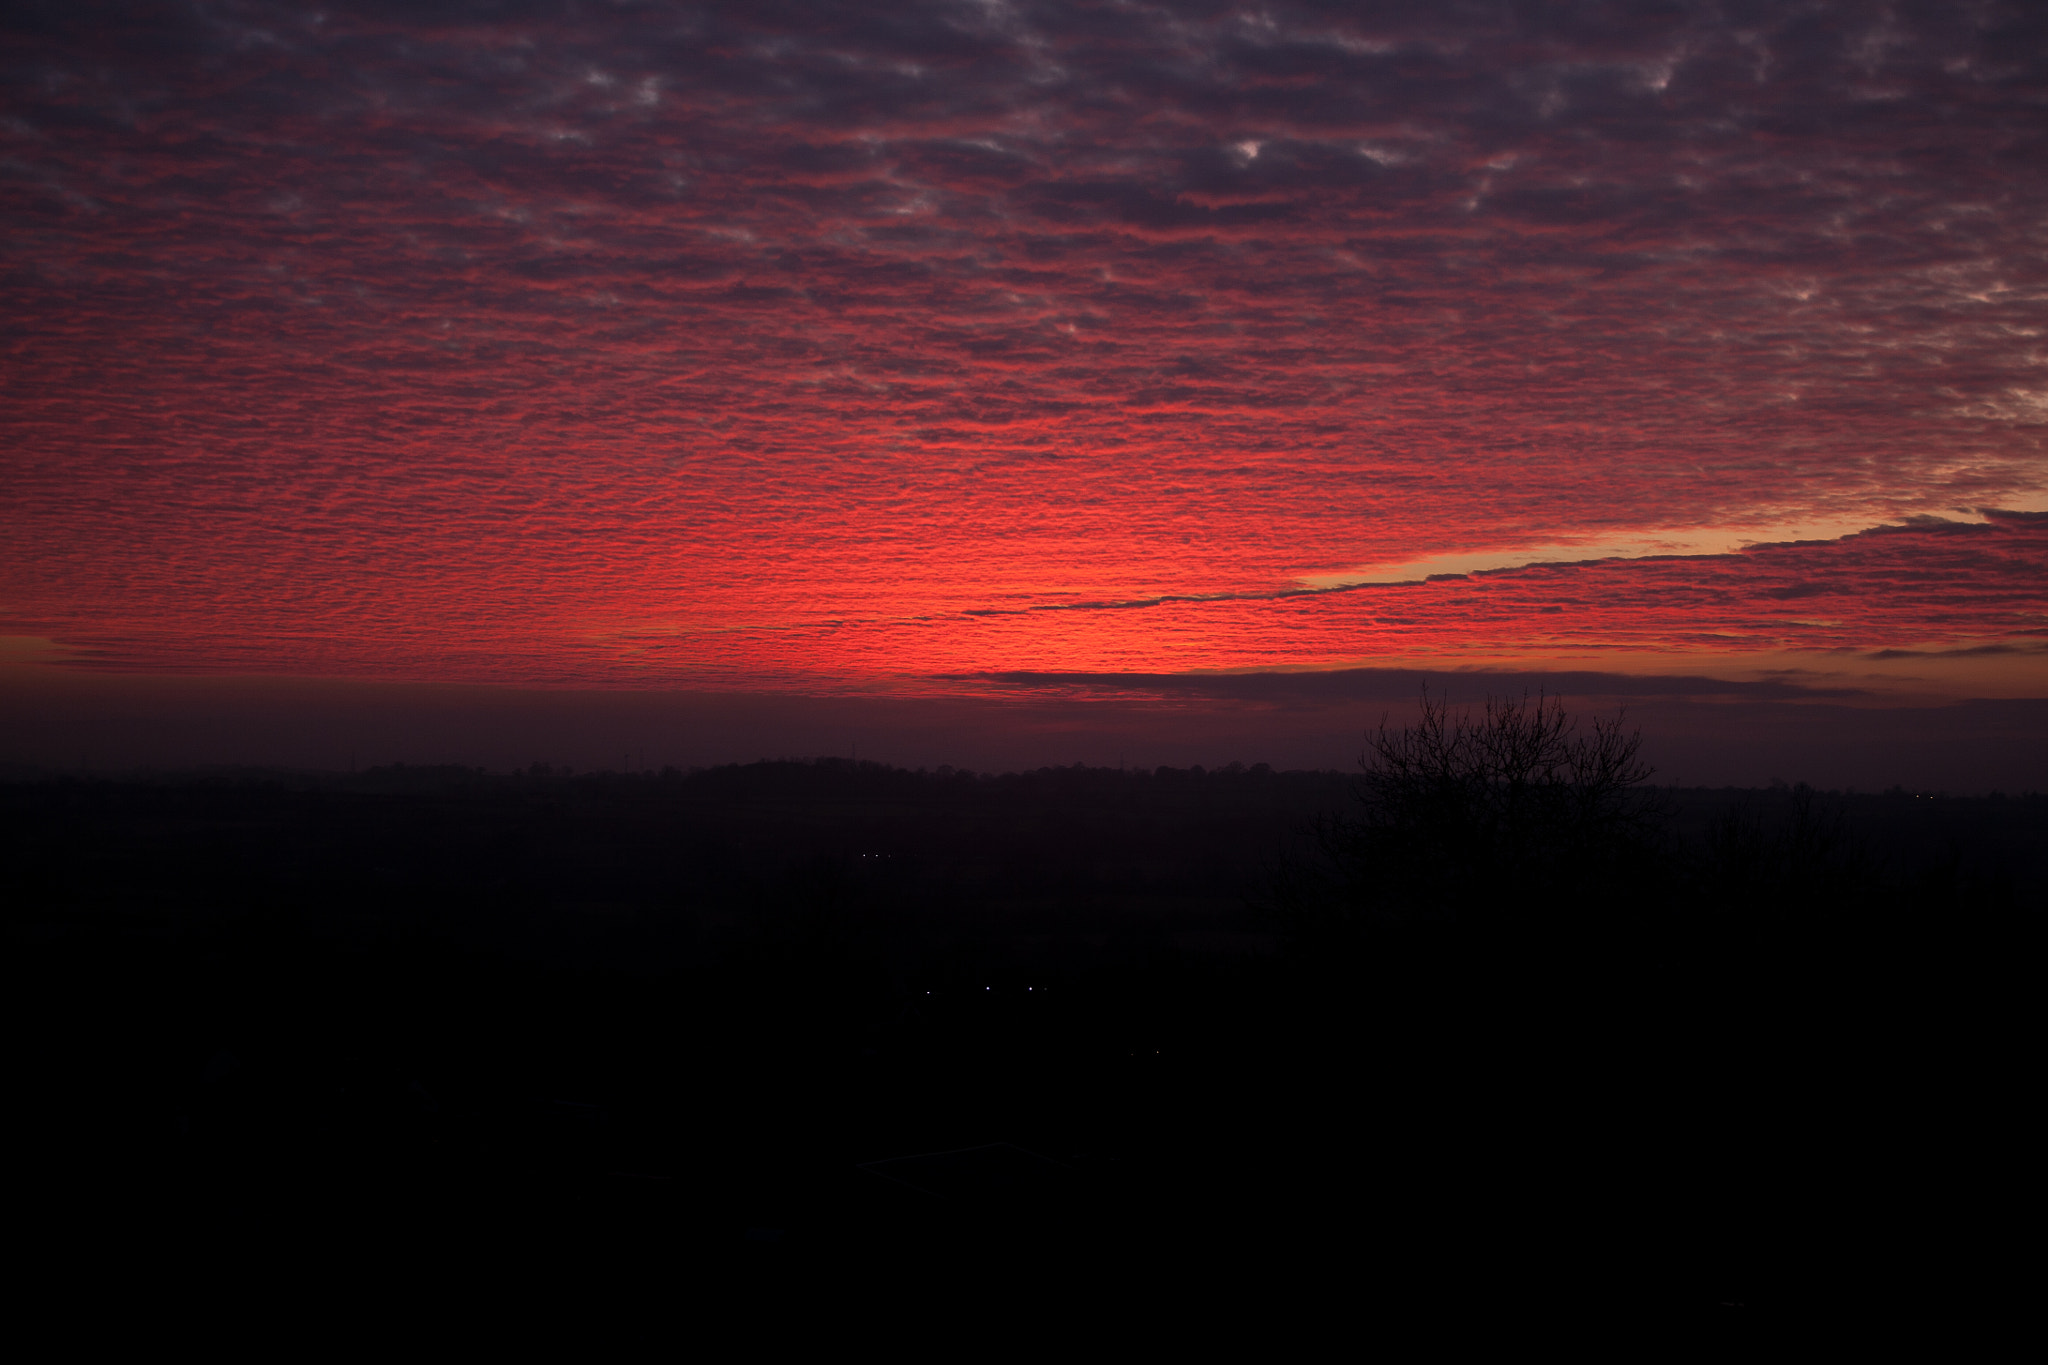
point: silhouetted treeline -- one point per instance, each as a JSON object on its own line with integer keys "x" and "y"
{"x": 656, "y": 869}
{"x": 449, "y": 849}
{"x": 673, "y": 1020}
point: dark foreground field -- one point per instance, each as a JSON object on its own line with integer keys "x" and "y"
{"x": 755, "y": 1035}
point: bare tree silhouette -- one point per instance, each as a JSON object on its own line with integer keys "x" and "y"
{"x": 1804, "y": 857}
{"x": 1510, "y": 812}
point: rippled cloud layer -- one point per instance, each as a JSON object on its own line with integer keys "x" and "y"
{"x": 759, "y": 344}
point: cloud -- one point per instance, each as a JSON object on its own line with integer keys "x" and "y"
{"x": 630, "y": 342}
{"x": 1403, "y": 685}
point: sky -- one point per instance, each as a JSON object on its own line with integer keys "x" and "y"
{"x": 1022, "y": 381}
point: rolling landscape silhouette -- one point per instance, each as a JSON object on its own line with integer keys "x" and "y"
{"x": 1499, "y": 1029}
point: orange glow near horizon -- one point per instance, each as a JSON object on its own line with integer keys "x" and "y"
{"x": 796, "y": 350}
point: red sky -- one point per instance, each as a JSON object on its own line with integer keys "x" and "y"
{"x": 975, "y": 349}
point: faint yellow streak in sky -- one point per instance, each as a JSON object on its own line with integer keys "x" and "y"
{"x": 1643, "y": 544}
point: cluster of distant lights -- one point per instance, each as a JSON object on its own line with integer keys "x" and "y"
{"x": 1155, "y": 1051}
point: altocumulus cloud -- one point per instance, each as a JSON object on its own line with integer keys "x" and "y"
{"x": 750, "y": 342}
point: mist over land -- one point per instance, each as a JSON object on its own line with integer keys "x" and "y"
{"x": 1840, "y": 730}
